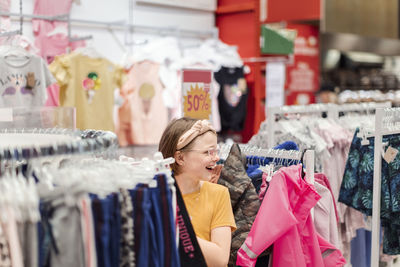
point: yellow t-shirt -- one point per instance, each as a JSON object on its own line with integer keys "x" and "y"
{"x": 88, "y": 84}
{"x": 209, "y": 208}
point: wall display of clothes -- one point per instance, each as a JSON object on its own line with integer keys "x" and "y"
{"x": 149, "y": 86}
{"x": 152, "y": 91}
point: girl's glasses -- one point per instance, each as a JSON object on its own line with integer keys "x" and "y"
{"x": 212, "y": 152}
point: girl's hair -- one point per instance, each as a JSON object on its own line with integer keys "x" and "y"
{"x": 169, "y": 139}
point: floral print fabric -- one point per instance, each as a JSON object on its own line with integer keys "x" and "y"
{"x": 357, "y": 186}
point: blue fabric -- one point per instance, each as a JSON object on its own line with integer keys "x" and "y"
{"x": 164, "y": 224}
{"x": 115, "y": 230}
{"x": 361, "y": 249}
{"x": 168, "y": 219}
{"x": 155, "y": 212}
{"x": 287, "y": 145}
{"x": 253, "y": 163}
{"x": 45, "y": 235}
{"x": 107, "y": 228}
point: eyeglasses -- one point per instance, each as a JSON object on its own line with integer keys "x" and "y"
{"x": 212, "y": 152}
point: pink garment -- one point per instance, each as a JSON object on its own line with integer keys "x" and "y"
{"x": 263, "y": 187}
{"x": 143, "y": 115}
{"x": 330, "y": 254}
{"x": 57, "y": 44}
{"x": 53, "y": 94}
{"x": 51, "y": 46}
{"x": 339, "y": 141}
{"x": 88, "y": 232}
{"x": 10, "y": 229}
{"x": 284, "y": 220}
{"x": 5, "y": 22}
{"x": 323, "y": 180}
{"x": 49, "y": 8}
{"x": 325, "y": 220}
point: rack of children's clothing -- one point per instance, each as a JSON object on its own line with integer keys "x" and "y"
{"x": 370, "y": 182}
{"x": 332, "y": 111}
{"x": 331, "y": 137}
{"x": 386, "y": 123}
{"x": 66, "y": 202}
{"x": 286, "y": 221}
{"x": 285, "y": 194}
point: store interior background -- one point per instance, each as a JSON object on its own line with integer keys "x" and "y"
{"x": 328, "y": 35}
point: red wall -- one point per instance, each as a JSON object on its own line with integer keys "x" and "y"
{"x": 292, "y": 10}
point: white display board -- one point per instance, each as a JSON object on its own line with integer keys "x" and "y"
{"x": 275, "y": 84}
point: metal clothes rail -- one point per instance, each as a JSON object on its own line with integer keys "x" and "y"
{"x": 332, "y": 110}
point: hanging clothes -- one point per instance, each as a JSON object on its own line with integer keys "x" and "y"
{"x": 143, "y": 115}
{"x": 51, "y": 45}
{"x": 88, "y": 85}
{"x": 284, "y": 220}
{"x": 23, "y": 79}
{"x": 232, "y": 98}
{"x": 244, "y": 199}
{"x": 338, "y": 141}
{"x": 357, "y": 186}
{"x": 325, "y": 223}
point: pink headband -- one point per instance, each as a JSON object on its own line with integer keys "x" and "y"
{"x": 200, "y": 127}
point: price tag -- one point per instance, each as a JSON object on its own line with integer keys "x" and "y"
{"x": 390, "y": 154}
{"x": 197, "y": 94}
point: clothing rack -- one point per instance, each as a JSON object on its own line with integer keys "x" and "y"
{"x": 26, "y": 144}
{"x": 382, "y": 128}
{"x": 332, "y": 110}
{"x": 308, "y": 156}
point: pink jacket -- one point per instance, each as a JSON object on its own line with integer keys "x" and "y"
{"x": 283, "y": 220}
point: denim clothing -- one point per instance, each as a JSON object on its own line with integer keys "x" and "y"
{"x": 361, "y": 249}
{"x": 167, "y": 223}
{"x": 107, "y": 227}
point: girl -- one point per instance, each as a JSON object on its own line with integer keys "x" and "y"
{"x": 193, "y": 144}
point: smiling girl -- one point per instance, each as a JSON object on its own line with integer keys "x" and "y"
{"x": 193, "y": 144}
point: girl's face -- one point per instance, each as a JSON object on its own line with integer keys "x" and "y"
{"x": 199, "y": 161}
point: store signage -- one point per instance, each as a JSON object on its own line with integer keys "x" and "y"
{"x": 275, "y": 84}
{"x": 197, "y": 93}
{"x": 303, "y": 75}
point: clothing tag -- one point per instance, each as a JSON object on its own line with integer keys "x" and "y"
{"x": 6, "y": 114}
{"x": 390, "y": 154}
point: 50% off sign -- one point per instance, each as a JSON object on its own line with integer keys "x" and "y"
{"x": 197, "y": 97}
